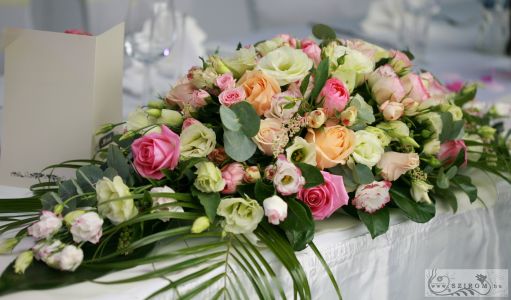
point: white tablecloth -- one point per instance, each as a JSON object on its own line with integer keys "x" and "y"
{"x": 390, "y": 267}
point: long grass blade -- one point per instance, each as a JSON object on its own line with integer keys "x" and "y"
{"x": 327, "y": 269}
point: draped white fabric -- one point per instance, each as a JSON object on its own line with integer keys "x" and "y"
{"x": 390, "y": 267}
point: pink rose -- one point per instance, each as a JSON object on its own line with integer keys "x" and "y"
{"x": 450, "y": 150}
{"x": 232, "y": 96}
{"x": 233, "y": 176}
{"x": 434, "y": 87}
{"x": 181, "y": 94}
{"x": 199, "y": 98}
{"x": 335, "y": 96}
{"x": 154, "y": 152}
{"x": 312, "y": 50}
{"x": 323, "y": 200}
{"x": 288, "y": 39}
{"x": 385, "y": 85}
{"x": 189, "y": 121}
{"x": 225, "y": 81}
{"x": 392, "y": 110}
{"x": 414, "y": 88}
{"x": 373, "y": 196}
{"x": 395, "y": 164}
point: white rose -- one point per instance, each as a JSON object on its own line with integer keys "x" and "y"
{"x": 368, "y": 148}
{"x": 47, "y": 225}
{"x": 69, "y": 259}
{"x": 241, "y": 215}
{"x": 373, "y": 196}
{"x": 116, "y": 211}
{"x": 286, "y": 65}
{"x": 301, "y": 151}
{"x": 87, "y": 228}
{"x": 275, "y": 209}
{"x": 288, "y": 178}
{"x": 270, "y": 130}
{"x": 160, "y": 202}
{"x": 419, "y": 191}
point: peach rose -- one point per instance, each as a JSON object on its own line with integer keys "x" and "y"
{"x": 334, "y": 144}
{"x": 269, "y": 132}
{"x": 259, "y": 89}
{"x": 181, "y": 94}
{"x": 395, "y": 164}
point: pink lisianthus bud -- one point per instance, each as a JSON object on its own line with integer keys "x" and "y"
{"x": 450, "y": 150}
{"x": 275, "y": 209}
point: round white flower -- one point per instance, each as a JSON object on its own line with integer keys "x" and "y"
{"x": 158, "y": 201}
{"x": 368, "y": 149}
{"x": 353, "y": 68}
{"x": 196, "y": 140}
{"x": 47, "y": 225}
{"x": 285, "y": 64}
{"x": 288, "y": 178}
{"x": 275, "y": 209}
{"x": 87, "y": 228}
{"x": 301, "y": 151}
{"x": 43, "y": 250}
{"x": 209, "y": 178}
{"x": 243, "y": 59}
{"x": 241, "y": 215}
{"x": 69, "y": 259}
{"x": 116, "y": 211}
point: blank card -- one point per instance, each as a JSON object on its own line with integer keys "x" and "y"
{"x": 59, "y": 88}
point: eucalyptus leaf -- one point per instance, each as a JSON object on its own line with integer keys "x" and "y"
{"x": 117, "y": 161}
{"x": 247, "y": 116}
{"x": 87, "y": 176}
{"x": 238, "y": 146}
{"x": 49, "y": 200}
{"x": 229, "y": 118}
{"x": 362, "y": 174}
{"x": 377, "y": 223}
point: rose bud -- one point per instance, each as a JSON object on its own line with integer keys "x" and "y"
{"x": 392, "y": 110}
{"x": 269, "y": 172}
{"x": 349, "y": 116}
{"x": 275, "y": 209}
{"x": 316, "y": 118}
{"x": 252, "y": 174}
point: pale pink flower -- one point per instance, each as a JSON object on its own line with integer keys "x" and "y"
{"x": 233, "y": 176}
{"x": 395, "y": 164}
{"x": 275, "y": 209}
{"x": 48, "y": 225}
{"x": 385, "y": 85}
{"x": 225, "y": 81}
{"x": 373, "y": 196}
{"x": 189, "y": 121}
{"x": 199, "y": 98}
{"x": 232, "y": 96}
{"x": 87, "y": 228}
{"x": 312, "y": 50}
{"x": 414, "y": 87}
{"x": 450, "y": 150}
{"x": 288, "y": 178}
{"x": 392, "y": 110}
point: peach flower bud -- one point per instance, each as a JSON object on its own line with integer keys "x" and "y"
{"x": 349, "y": 116}
{"x": 218, "y": 155}
{"x": 394, "y": 164}
{"x": 392, "y": 110}
{"x": 316, "y": 118}
{"x": 252, "y": 174}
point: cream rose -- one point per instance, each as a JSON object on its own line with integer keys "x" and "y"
{"x": 116, "y": 211}
{"x": 269, "y": 131}
{"x": 259, "y": 89}
{"x": 196, "y": 140}
{"x": 368, "y": 149}
{"x": 286, "y": 65}
{"x": 394, "y": 164}
{"x": 334, "y": 144}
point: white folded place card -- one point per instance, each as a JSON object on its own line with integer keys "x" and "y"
{"x": 59, "y": 88}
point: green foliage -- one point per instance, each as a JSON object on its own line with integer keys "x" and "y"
{"x": 117, "y": 161}
{"x": 209, "y": 201}
{"x": 467, "y": 93}
{"x": 229, "y": 118}
{"x": 247, "y": 117}
{"x": 417, "y": 212}
{"x": 299, "y": 225}
{"x": 451, "y": 130}
{"x": 312, "y": 175}
{"x": 87, "y": 176}
{"x": 263, "y": 190}
{"x": 465, "y": 184}
{"x": 362, "y": 174}
{"x": 238, "y": 146}
{"x": 323, "y": 32}
{"x": 320, "y": 77}
{"x": 377, "y": 223}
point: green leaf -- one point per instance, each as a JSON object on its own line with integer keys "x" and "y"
{"x": 377, "y": 223}
{"x": 362, "y": 174}
{"x": 442, "y": 181}
{"x": 238, "y": 146}
{"x": 186, "y": 165}
{"x": 49, "y": 200}
{"x": 248, "y": 118}
{"x": 323, "y": 32}
{"x": 417, "y": 212}
{"x": 320, "y": 77}
{"x": 299, "y": 225}
{"x": 347, "y": 176}
{"x": 312, "y": 175}
{"x": 467, "y": 93}
{"x": 117, "y": 161}
{"x": 327, "y": 269}
{"x": 365, "y": 113}
{"x": 450, "y": 129}
{"x": 209, "y": 201}
{"x": 451, "y": 172}
{"x": 305, "y": 84}
{"x": 466, "y": 185}
{"x": 229, "y": 118}
{"x": 87, "y": 176}
{"x": 263, "y": 190}
{"x": 448, "y": 196}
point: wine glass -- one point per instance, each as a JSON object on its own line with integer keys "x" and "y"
{"x": 150, "y": 36}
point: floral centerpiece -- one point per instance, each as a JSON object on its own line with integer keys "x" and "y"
{"x": 251, "y": 150}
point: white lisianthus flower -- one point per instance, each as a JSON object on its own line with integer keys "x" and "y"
{"x": 241, "y": 215}
{"x": 381, "y": 134}
{"x": 139, "y": 119}
{"x": 47, "y": 225}
{"x": 433, "y": 121}
{"x": 23, "y": 261}
{"x": 368, "y": 148}
{"x": 275, "y": 209}
{"x": 419, "y": 191}
{"x": 285, "y": 64}
{"x": 87, "y": 228}
{"x": 244, "y": 59}
{"x": 159, "y": 200}
{"x": 353, "y": 66}
{"x": 196, "y": 140}
{"x": 44, "y": 249}
{"x": 209, "y": 178}
{"x": 288, "y": 178}
{"x": 301, "y": 151}
{"x": 69, "y": 259}
{"x": 116, "y": 211}
{"x": 431, "y": 147}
